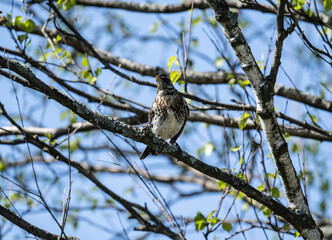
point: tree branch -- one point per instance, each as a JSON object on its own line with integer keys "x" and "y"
{"x": 265, "y": 109}
{"x": 321, "y": 18}
{"x": 220, "y": 77}
{"x": 38, "y": 232}
{"x": 299, "y": 219}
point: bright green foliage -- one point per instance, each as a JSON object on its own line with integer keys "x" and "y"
{"x": 17, "y": 21}
{"x": 2, "y": 166}
{"x": 98, "y": 71}
{"x": 227, "y": 226}
{"x": 213, "y": 22}
{"x": 235, "y": 149}
{"x": 212, "y": 220}
{"x": 287, "y": 135}
{"x": 154, "y": 27}
{"x": 295, "y": 148}
{"x": 299, "y": 4}
{"x": 275, "y": 192}
{"x": 175, "y": 75}
{"x": 297, "y": 234}
{"x": 270, "y": 175}
{"x": 328, "y": 5}
{"x": 195, "y": 21}
{"x": 170, "y": 62}
{"x": 261, "y": 187}
{"x": 22, "y": 37}
{"x": 241, "y": 160}
{"x": 200, "y": 221}
{"x": 66, "y": 4}
{"x": 218, "y": 62}
{"x": 221, "y": 185}
{"x": 244, "y": 83}
{"x": 231, "y": 82}
{"x": 28, "y": 25}
{"x": 286, "y": 227}
{"x": 266, "y": 211}
{"x": 243, "y": 121}
{"x": 85, "y": 62}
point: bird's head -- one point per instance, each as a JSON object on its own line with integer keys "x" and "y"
{"x": 163, "y": 82}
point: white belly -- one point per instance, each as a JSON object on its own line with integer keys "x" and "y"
{"x": 168, "y": 128}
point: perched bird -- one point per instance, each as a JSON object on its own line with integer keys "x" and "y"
{"x": 168, "y": 113}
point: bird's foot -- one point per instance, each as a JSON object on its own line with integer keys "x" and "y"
{"x": 177, "y": 146}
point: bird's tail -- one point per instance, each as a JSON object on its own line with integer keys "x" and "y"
{"x": 148, "y": 151}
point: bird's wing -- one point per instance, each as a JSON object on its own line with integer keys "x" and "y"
{"x": 186, "y": 109}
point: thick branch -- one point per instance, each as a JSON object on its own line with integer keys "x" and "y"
{"x": 265, "y": 108}
{"x": 36, "y": 231}
{"x": 219, "y": 77}
{"x": 321, "y": 18}
{"x": 300, "y": 220}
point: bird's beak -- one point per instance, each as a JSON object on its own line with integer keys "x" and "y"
{"x": 158, "y": 78}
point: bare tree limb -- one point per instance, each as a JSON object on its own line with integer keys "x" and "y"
{"x": 220, "y": 77}
{"x": 36, "y": 231}
{"x": 265, "y": 109}
{"x": 299, "y": 219}
{"x": 198, "y": 4}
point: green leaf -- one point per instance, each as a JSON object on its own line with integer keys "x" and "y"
{"x": 154, "y": 27}
{"x": 296, "y": 148}
{"x": 92, "y": 80}
{"x": 243, "y": 121}
{"x": 261, "y": 187}
{"x": 218, "y": 62}
{"x": 213, "y": 22}
{"x": 28, "y": 25}
{"x": 2, "y": 166}
{"x": 275, "y": 192}
{"x": 200, "y": 221}
{"x": 85, "y": 62}
{"x": 244, "y": 83}
{"x": 171, "y": 61}
{"x": 213, "y": 221}
{"x": 175, "y": 75}
{"x": 17, "y": 21}
{"x": 241, "y": 160}
{"x": 63, "y": 115}
{"x": 328, "y": 5}
{"x": 297, "y": 234}
{"x": 98, "y": 71}
{"x": 86, "y": 74}
{"x": 58, "y": 38}
{"x": 286, "y": 227}
{"x": 235, "y": 149}
{"x": 21, "y": 38}
{"x": 48, "y": 135}
{"x": 299, "y": 4}
{"x": 287, "y": 135}
{"x": 68, "y": 4}
{"x": 221, "y": 185}
{"x": 231, "y": 82}
{"x": 227, "y": 226}
{"x": 196, "y": 21}
{"x": 314, "y": 118}
{"x": 267, "y": 212}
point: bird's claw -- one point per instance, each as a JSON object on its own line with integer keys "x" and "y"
{"x": 177, "y": 146}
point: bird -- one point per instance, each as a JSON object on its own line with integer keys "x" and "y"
{"x": 168, "y": 114}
